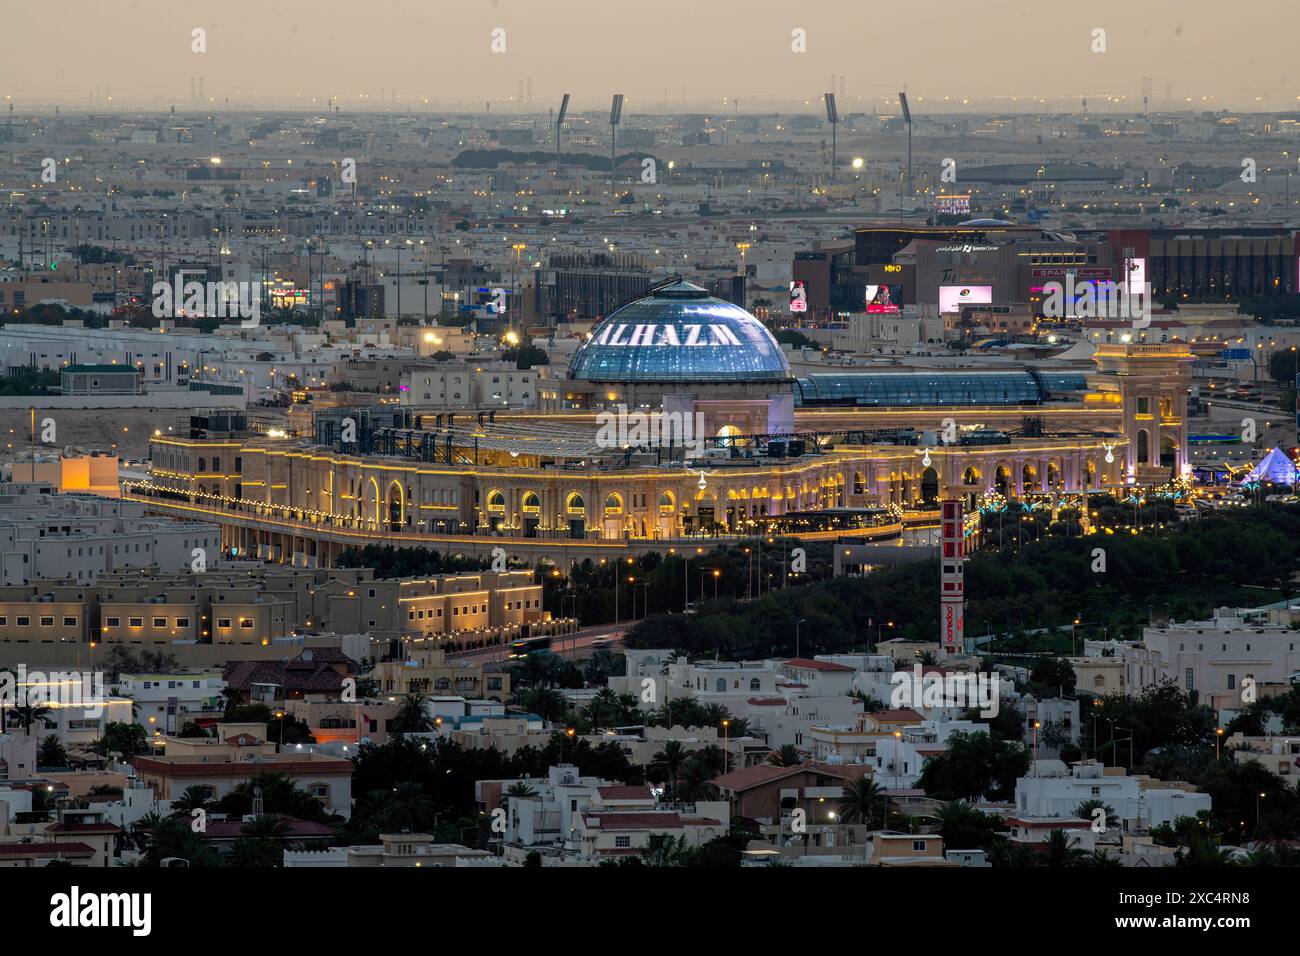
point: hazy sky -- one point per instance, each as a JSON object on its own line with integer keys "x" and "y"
{"x": 266, "y": 53}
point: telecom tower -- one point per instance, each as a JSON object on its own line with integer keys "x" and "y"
{"x": 952, "y": 581}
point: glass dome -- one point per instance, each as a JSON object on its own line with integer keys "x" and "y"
{"x": 680, "y": 333}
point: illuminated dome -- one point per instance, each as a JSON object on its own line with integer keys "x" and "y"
{"x": 680, "y": 333}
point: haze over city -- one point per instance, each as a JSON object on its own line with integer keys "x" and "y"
{"x": 675, "y": 55}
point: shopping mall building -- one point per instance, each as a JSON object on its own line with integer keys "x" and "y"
{"x": 753, "y": 449}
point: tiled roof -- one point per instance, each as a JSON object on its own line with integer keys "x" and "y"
{"x": 46, "y": 849}
{"x": 668, "y": 820}
{"x": 755, "y": 776}
{"x": 905, "y": 713}
{"x": 83, "y": 828}
{"x": 293, "y": 829}
{"x": 625, "y": 793}
{"x": 296, "y": 675}
{"x": 242, "y": 768}
{"x": 812, "y": 665}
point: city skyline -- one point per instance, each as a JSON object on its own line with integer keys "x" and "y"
{"x": 409, "y": 57}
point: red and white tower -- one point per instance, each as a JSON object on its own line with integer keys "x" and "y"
{"x": 952, "y": 580}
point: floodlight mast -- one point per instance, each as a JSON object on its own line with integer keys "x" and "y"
{"x": 907, "y": 118}
{"x": 833, "y": 117}
{"x": 615, "y": 115}
{"x": 559, "y": 121}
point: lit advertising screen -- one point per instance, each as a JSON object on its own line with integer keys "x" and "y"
{"x": 1137, "y": 275}
{"x": 884, "y": 298}
{"x": 798, "y": 296}
{"x": 953, "y": 298}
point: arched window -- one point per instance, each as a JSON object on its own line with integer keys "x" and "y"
{"x": 496, "y": 501}
{"x": 1144, "y": 447}
{"x": 613, "y": 503}
{"x": 755, "y": 684}
{"x": 859, "y": 483}
{"x": 531, "y": 504}
{"x": 575, "y": 504}
{"x": 667, "y": 503}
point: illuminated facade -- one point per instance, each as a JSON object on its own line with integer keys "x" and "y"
{"x": 544, "y": 485}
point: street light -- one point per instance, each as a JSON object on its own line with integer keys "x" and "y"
{"x": 796, "y": 635}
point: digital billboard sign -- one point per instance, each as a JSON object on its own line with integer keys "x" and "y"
{"x": 798, "y": 296}
{"x": 884, "y": 298}
{"x": 953, "y": 298}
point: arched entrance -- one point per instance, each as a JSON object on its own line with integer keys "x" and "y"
{"x": 531, "y": 507}
{"x": 575, "y": 509}
{"x": 929, "y": 488}
{"x": 396, "y": 500}
{"x": 1002, "y": 481}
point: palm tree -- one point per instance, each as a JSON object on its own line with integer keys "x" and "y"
{"x": 786, "y": 756}
{"x": 546, "y": 702}
{"x": 194, "y": 798}
{"x": 518, "y": 789}
{"x": 714, "y": 714}
{"x": 411, "y": 717}
{"x": 861, "y": 802}
{"x": 603, "y": 704}
{"x": 1062, "y": 850}
{"x": 695, "y": 782}
{"x": 406, "y": 808}
{"x": 1085, "y": 811}
{"x": 669, "y": 762}
{"x": 28, "y": 714}
{"x": 232, "y": 698}
{"x": 629, "y": 710}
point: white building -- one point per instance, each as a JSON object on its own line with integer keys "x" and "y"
{"x": 79, "y": 537}
{"x": 1214, "y": 656}
{"x": 166, "y": 702}
{"x": 1137, "y": 806}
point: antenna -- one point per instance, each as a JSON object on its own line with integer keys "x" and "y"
{"x": 832, "y": 117}
{"x": 615, "y": 115}
{"x": 907, "y": 118}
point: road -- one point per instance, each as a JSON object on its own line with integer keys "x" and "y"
{"x": 579, "y": 644}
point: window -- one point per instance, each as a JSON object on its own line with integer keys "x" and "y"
{"x": 223, "y": 622}
{"x": 69, "y": 622}
{"x": 23, "y": 621}
{"x": 246, "y": 623}
{"x": 622, "y": 842}
{"x": 1188, "y": 680}
{"x": 136, "y": 621}
{"x": 113, "y": 622}
{"x": 1232, "y": 682}
{"x": 183, "y": 622}
{"x": 4, "y": 622}
{"x": 47, "y": 622}
{"x": 918, "y": 846}
{"x": 160, "y": 622}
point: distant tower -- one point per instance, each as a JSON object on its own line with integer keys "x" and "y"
{"x": 952, "y": 581}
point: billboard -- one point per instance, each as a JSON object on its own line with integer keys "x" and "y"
{"x": 953, "y": 298}
{"x": 798, "y": 296}
{"x": 884, "y": 298}
{"x": 1137, "y": 275}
